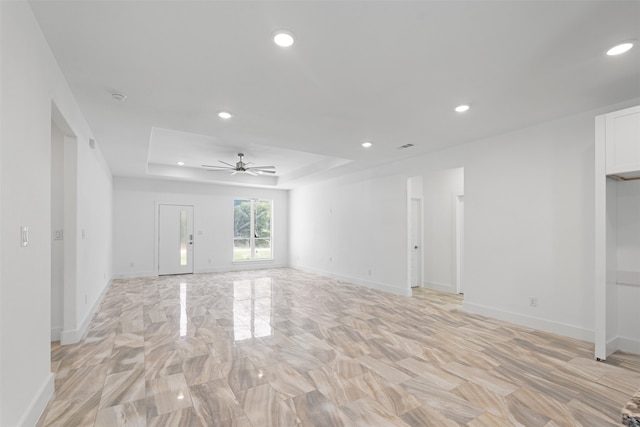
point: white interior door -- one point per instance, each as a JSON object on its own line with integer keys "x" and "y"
{"x": 416, "y": 243}
{"x": 175, "y": 239}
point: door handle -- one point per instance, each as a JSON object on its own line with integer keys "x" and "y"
{"x": 415, "y": 247}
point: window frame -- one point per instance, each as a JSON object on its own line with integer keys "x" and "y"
{"x": 252, "y": 231}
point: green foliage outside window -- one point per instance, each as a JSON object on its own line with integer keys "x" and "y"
{"x": 252, "y": 229}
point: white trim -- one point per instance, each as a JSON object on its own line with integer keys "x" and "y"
{"x": 531, "y": 322}
{"x": 75, "y": 335}
{"x": 600, "y": 241}
{"x": 55, "y": 333}
{"x": 629, "y": 345}
{"x": 459, "y": 274}
{"x": 443, "y": 287}
{"x": 135, "y": 274}
{"x": 39, "y": 403}
{"x": 420, "y": 202}
{"x": 253, "y": 265}
{"x": 356, "y": 281}
{"x": 628, "y": 278}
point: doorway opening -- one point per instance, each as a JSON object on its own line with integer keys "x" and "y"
{"x": 63, "y": 223}
{"x": 416, "y": 242}
{"x": 436, "y": 230}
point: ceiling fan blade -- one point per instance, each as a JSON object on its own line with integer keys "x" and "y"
{"x": 234, "y": 172}
{"x": 263, "y": 167}
{"x": 262, "y": 170}
{"x": 216, "y": 167}
{"x": 250, "y": 172}
{"x": 228, "y": 164}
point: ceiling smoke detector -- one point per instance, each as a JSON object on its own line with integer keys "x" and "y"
{"x": 120, "y": 97}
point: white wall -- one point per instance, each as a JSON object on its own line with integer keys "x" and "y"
{"x": 354, "y": 230}
{"x": 30, "y": 82}
{"x": 529, "y": 224}
{"x": 92, "y": 234}
{"x": 440, "y": 189}
{"x": 135, "y": 213}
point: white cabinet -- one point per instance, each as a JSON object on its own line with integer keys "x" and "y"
{"x": 623, "y": 141}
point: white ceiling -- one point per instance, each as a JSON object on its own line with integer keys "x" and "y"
{"x": 388, "y": 71}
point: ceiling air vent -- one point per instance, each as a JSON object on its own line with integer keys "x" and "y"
{"x": 405, "y": 146}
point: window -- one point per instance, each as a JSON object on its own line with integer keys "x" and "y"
{"x": 251, "y": 229}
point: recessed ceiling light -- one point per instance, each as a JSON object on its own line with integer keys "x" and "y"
{"x": 461, "y": 108}
{"x": 283, "y": 38}
{"x": 367, "y": 144}
{"x": 180, "y": 163}
{"x": 224, "y": 115}
{"x": 620, "y": 48}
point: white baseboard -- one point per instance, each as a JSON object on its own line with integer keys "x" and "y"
{"x": 55, "y": 333}
{"x": 73, "y": 336}
{"x": 628, "y": 345}
{"x": 39, "y": 403}
{"x": 440, "y": 287}
{"x": 357, "y": 281}
{"x": 531, "y": 322}
{"x": 135, "y": 274}
{"x": 242, "y": 266}
{"x": 631, "y": 278}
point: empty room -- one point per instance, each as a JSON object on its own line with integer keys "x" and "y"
{"x": 319, "y": 213}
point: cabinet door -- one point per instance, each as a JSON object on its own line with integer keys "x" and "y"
{"x": 623, "y": 141}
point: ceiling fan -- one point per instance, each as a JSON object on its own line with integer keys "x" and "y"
{"x": 241, "y": 167}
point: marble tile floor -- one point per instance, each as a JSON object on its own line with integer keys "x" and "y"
{"x": 285, "y": 348}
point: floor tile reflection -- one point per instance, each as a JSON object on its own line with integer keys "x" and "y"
{"x": 285, "y": 348}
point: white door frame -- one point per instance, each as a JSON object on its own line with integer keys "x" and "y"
{"x": 420, "y": 242}
{"x": 459, "y": 243}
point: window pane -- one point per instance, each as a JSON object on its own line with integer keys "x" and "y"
{"x": 183, "y": 238}
{"x": 242, "y": 218}
{"x": 263, "y": 249}
{"x": 263, "y": 218}
{"x": 241, "y": 249}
